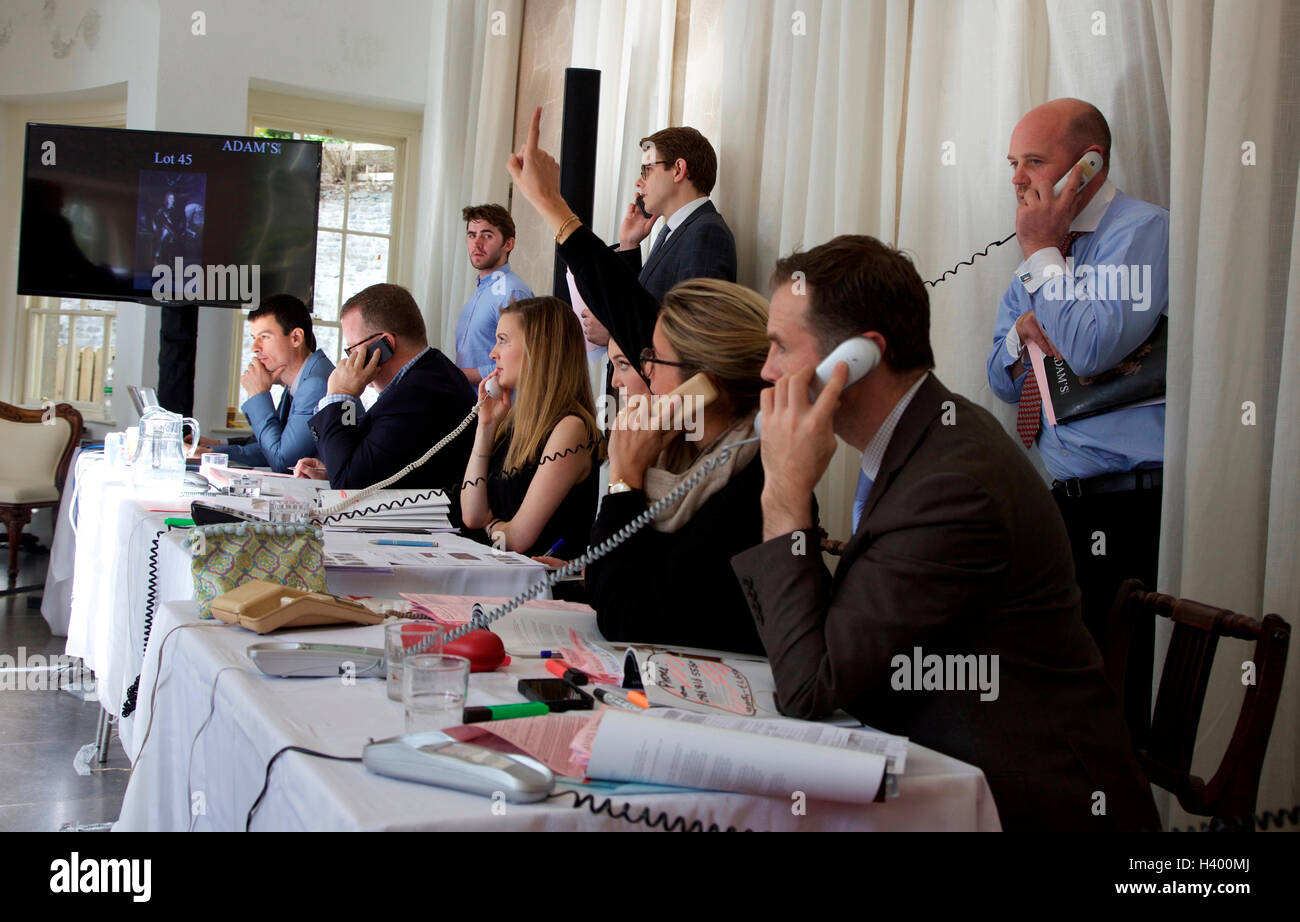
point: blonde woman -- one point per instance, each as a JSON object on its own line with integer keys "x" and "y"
{"x": 544, "y": 413}
{"x": 672, "y": 583}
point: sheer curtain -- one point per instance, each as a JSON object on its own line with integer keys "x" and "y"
{"x": 467, "y": 136}
{"x": 1231, "y": 529}
{"x": 892, "y": 119}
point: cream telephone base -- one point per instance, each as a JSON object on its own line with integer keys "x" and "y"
{"x": 263, "y": 607}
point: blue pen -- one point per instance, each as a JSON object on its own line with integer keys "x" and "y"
{"x": 555, "y": 547}
{"x": 389, "y": 542}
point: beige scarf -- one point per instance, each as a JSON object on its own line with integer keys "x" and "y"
{"x": 660, "y": 481}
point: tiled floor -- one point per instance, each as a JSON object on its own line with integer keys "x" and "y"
{"x": 41, "y": 731}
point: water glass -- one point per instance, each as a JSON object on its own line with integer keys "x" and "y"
{"x": 424, "y": 636}
{"x": 433, "y": 691}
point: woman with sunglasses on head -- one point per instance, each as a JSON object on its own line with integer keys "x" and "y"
{"x": 533, "y": 473}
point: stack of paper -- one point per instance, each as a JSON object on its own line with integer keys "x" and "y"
{"x": 391, "y": 508}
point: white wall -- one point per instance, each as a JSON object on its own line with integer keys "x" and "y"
{"x": 374, "y": 52}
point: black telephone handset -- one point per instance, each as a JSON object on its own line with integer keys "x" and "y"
{"x": 381, "y": 346}
{"x": 640, "y": 204}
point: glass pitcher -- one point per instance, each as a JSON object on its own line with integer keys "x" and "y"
{"x": 159, "y": 458}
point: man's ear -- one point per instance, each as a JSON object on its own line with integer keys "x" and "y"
{"x": 509, "y": 245}
{"x": 297, "y": 336}
{"x": 681, "y": 170}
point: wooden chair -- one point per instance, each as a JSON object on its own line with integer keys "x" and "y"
{"x": 1229, "y": 796}
{"x": 37, "y": 449}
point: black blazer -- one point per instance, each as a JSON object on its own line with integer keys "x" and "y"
{"x": 410, "y": 416}
{"x": 702, "y": 247}
{"x": 677, "y": 589}
{"x": 960, "y": 551}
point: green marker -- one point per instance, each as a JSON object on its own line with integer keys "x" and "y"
{"x": 478, "y": 715}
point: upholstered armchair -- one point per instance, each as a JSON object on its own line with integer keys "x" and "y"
{"x": 36, "y": 447}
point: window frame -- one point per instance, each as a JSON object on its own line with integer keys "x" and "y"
{"x": 35, "y": 310}
{"x": 359, "y": 124}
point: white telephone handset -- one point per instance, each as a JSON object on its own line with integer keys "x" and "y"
{"x": 858, "y": 352}
{"x": 493, "y": 388}
{"x": 1091, "y": 167}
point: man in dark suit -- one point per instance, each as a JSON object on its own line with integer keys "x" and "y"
{"x": 422, "y": 397}
{"x": 953, "y": 617}
{"x": 678, "y": 170}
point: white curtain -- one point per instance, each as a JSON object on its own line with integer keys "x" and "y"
{"x": 1231, "y": 530}
{"x": 631, "y": 44}
{"x": 892, "y": 119}
{"x": 467, "y": 135}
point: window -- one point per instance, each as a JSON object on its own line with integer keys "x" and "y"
{"x": 67, "y": 345}
{"x": 70, "y": 354}
{"x": 362, "y": 194}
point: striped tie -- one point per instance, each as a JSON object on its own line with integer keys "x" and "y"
{"x": 1029, "y": 416}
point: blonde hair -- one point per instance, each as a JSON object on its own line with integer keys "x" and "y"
{"x": 553, "y": 381}
{"x": 719, "y": 327}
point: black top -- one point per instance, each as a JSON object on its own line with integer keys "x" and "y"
{"x": 360, "y": 448}
{"x": 572, "y": 518}
{"x": 678, "y": 589}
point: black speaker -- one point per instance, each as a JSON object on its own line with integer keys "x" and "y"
{"x": 578, "y": 152}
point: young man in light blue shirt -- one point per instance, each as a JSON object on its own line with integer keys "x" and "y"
{"x": 489, "y": 238}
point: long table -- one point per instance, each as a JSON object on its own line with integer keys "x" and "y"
{"x": 110, "y": 560}
{"x": 216, "y": 721}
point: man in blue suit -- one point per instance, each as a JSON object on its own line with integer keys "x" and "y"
{"x": 678, "y": 170}
{"x": 284, "y": 353}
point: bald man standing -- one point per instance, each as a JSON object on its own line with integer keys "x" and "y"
{"x": 1107, "y": 467}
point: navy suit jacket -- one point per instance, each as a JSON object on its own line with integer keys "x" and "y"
{"x": 702, "y": 248}
{"x": 410, "y": 416}
{"x": 283, "y": 435}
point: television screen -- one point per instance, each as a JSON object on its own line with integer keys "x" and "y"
{"x": 163, "y": 217}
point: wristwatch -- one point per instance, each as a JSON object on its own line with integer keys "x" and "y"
{"x": 619, "y": 486}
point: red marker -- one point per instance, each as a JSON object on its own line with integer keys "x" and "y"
{"x": 558, "y": 669}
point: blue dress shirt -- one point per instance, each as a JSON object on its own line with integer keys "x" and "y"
{"x": 476, "y": 330}
{"x": 1094, "y": 325}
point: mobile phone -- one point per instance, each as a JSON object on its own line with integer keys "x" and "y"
{"x": 381, "y": 346}
{"x": 557, "y": 694}
{"x": 640, "y": 204}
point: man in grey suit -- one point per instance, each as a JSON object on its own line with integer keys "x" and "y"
{"x": 678, "y": 170}
{"x": 953, "y": 617}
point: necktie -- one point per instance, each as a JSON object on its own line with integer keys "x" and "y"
{"x": 659, "y": 241}
{"x": 1029, "y": 417}
{"x": 285, "y": 402}
{"x": 860, "y": 497}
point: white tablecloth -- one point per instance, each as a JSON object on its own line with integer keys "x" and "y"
{"x": 209, "y": 776}
{"x": 110, "y": 572}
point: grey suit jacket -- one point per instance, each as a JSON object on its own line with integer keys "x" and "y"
{"x": 702, "y": 247}
{"x": 960, "y": 552}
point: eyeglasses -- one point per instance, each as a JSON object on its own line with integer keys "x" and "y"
{"x": 348, "y": 350}
{"x": 648, "y": 359}
{"x": 645, "y": 167}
